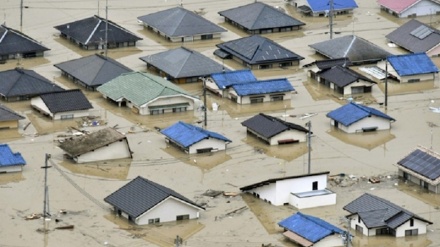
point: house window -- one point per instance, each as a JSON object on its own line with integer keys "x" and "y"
{"x": 258, "y": 99}
{"x": 286, "y": 64}
{"x": 277, "y": 97}
{"x": 64, "y": 117}
{"x": 359, "y": 219}
{"x": 153, "y": 221}
{"x": 413, "y": 232}
{"x": 406, "y": 176}
{"x": 157, "y": 111}
{"x": 382, "y": 231}
{"x": 315, "y": 185}
{"x": 206, "y": 36}
{"x": 359, "y": 229}
{"x": 413, "y": 80}
{"x": 411, "y": 222}
{"x": 179, "y": 109}
{"x": 265, "y": 66}
{"x": 182, "y": 217}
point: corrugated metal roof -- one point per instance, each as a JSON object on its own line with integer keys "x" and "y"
{"x": 412, "y": 64}
{"x": 8, "y": 158}
{"x": 228, "y": 78}
{"x": 352, "y": 112}
{"x": 67, "y": 100}
{"x": 13, "y": 41}
{"x": 268, "y": 126}
{"x": 424, "y": 162}
{"x": 256, "y": 49}
{"x": 140, "y": 195}
{"x": 258, "y": 15}
{"x": 140, "y": 88}
{"x": 343, "y": 76}
{"x": 263, "y": 87}
{"x": 338, "y": 5}
{"x": 397, "y": 6}
{"x": 93, "y": 70}
{"x": 309, "y": 227}
{"x": 183, "y": 62}
{"x": 7, "y": 114}
{"x": 187, "y": 134}
{"x": 179, "y": 22}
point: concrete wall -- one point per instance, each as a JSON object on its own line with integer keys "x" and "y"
{"x": 213, "y": 143}
{"x": 373, "y": 121}
{"x": 289, "y": 134}
{"x": 8, "y": 169}
{"x": 312, "y": 201}
{"x": 421, "y": 8}
{"x": 116, "y": 150}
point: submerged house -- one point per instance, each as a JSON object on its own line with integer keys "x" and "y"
{"x": 372, "y": 215}
{"x": 10, "y": 161}
{"x": 193, "y": 139}
{"x": 353, "y": 118}
{"x": 9, "y": 119}
{"x": 314, "y": 68}
{"x": 145, "y": 202}
{"x": 104, "y": 144}
{"x": 323, "y": 7}
{"x": 275, "y": 131}
{"x": 91, "y": 34}
{"x": 261, "y": 91}
{"x": 181, "y": 25}
{"x": 300, "y": 191}
{"x": 220, "y": 83}
{"x": 422, "y": 167}
{"x": 409, "y": 8}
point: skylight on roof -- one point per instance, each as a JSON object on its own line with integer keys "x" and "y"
{"x": 421, "y": 32}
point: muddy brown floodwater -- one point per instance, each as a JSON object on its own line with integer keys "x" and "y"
{"x": 76, "y": 192}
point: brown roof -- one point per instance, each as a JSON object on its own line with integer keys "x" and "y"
{"x": 297, "y": 238}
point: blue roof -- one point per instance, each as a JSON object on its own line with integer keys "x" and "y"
{"x": 412, "y": 64}
{"x": 352, "y": 112}
{"x": 309, "y": 227}
{"x": 187, "y": 134}
{"x": 8, "y": 158}
{"x": 263, "y": 87}
{"x": 322, "y": 5}
{"x": 228, "y": 78}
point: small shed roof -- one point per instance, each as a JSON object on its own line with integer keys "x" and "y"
{"x": 268, "y": 126}
{"x": 227, "y": 78}
{"x": 343, "y": 76}
{"x": 13, "y": 42}
{"x": 188, "y": 134}
{"x": 67, "y": 100}
{"x": 79, "y": 145}
{"x": 412, "y": 64}
{"x": 178, "y": 21}
{"x": 309, "y": 227}
{"x": 258, "y": 15}
{"x": 398, "y": 6}
{"x": 183, "y": 62}
{"x": 328, "y": 63}
{"x": 424, "y": 162}
{"x": 338, "y": 5}
{"x": 351, "y": 113}
{"x": 140, "y": 195}
{"x": 263, "y": 87}
{"x": 9, "y": 158}
{"x": 7, "y": 114}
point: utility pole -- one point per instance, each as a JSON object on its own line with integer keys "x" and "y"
{"x": 21, "y": 16}
{"x": 386, "y": 83}
{"x": 204, "y": 102}
{"x": 106, "y": 27}
{"x": 331, "y": 19}
{"x": 46, "y": 213}
{"x": 309, "y": 144}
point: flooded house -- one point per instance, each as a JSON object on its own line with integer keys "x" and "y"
{"x": 409, "y": 8}
{"x": 144, "y": 202}
{"x": 371, "y": 215}
{"x": 9, "y": 119}
{"x": 300, "y": 191}
{"x": 96, "y": 33}
{"x": 257, "y": 52}
{"x": 323, "y": 7}
{"x": 67, "y": 104}
{"x": 15, "y": 45}
{"x": 10, "y": 161}
{"x": 220, "y": 83}
{"x": 104, "y": 144}
{"x": 193, "y": 139}
{"x": 260, "y": 18}
{"x": 314, "y": 68}
{"x": 353, "y": 118}
{"x": 148, "y": 94}
{"x": 181, "y": 25}
{"x": 421, "y": 166}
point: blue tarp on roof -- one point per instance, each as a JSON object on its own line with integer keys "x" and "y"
{"x": 309, "y": 227}
{"x": 323, "y": 5}
{"x": 352, "y": 112}
{"x": 8, "y": 158}
{"x": 263, "y": 87}
{"x": 228, "y": 78}
{"x": 187, "y": 134}
{"x": 412, "y": 64}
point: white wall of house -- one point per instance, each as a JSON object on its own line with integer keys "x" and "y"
{"x": 332, "y": 240}
{"x": 431, "y": 187}
{"x": 213, "y": 143}
{"x": 405, "y": 79}
{"x": 115, "y": 150}
{"x": 267, "y": 193}
{"x": 167, "y": 211}
{"x": 418, "y": 224}
{"x": 212, "y": 86}
{"x": 246, "y": 99}
{"x": 422, "y": 8}
{"x": 348, "y": 90}
{"x": 8, "y": 169}
{"x": 289, "y": 134}
{"x": 312, "y": 201}
{"x": 354, "y": 221}
{"x": 368, "y": 122}
{"x": 164, "y": 101}
{"x": 434, "y": 51}
{"x": 39, "y": 104}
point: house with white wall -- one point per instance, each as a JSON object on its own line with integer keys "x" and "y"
{"x": 300, "y": 191}
{"x": 10, "y": 161}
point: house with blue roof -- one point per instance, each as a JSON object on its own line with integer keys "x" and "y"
{"x": 219, "y": 83}
{"x": 412, "y": 67}
{"x": 353, "y": 118}
{"x": 193, "y": 139}
{"x": 10, "y": 161}
{"x": 323, "y": 7}
{"x": 307, "y": 230}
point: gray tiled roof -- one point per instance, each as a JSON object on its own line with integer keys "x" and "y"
{"x": 68, "y": 100}
{"x": 256, "y": 49}
{"x": 7, "y": 114}
{"x": 183, "y": 62}
{"x": 258, "y": 15}
{"x": 177, "y": 22}
{"x": 357, "y": 49}
{"x": 13, "y": 42}
{"x": 24, "y": 83}
{"x": 268, "y": 126}
{"x": 92, "y": 31}
{"x": 402, "y": 36}
{"x": 93, "y": 70}
{"x": 76, "y": 146}
{"x": 140, "y": 195}
{"x": 342, "y": 76}
{"x": 328, "y": 63}
{"x": 377, "y": 212}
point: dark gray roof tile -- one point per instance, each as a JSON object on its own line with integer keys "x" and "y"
{"x": 268, "y": 126}
{"x": 7, "y": 114}
{"x": 13, "y": 42}
{"x": 68, "y": 100}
